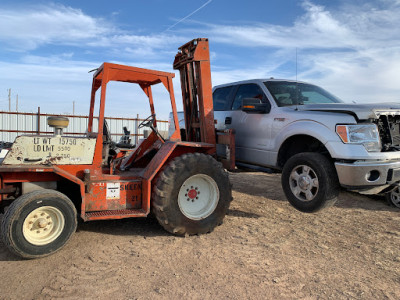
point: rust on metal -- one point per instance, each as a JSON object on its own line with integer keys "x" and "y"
{"x": 8, "y": 190}
{"x": 106, "y": 195}
{"x": 227, "y": 138}
{"x": 193, "y": 63}
{"x": 119, "y": 186}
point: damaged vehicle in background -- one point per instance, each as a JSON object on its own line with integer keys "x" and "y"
{"x": 317, "y": 141}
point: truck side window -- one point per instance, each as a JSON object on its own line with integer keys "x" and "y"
{"x": 221, "y": 97}
{"x": 247, "y": 91}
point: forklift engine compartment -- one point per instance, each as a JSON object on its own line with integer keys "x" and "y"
{"x": 47, "y": 180}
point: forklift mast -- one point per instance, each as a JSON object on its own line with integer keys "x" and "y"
{"x": 193, "y": 63}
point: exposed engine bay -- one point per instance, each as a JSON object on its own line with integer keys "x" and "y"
{"x": 389, "y": 132}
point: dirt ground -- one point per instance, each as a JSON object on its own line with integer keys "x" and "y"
{"x": 264, "y": 250}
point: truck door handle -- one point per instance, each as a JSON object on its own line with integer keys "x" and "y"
{"x": 228, "y": 120}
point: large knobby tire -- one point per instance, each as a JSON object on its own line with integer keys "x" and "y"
{"x": 38, "y": 223}
{"x": 191, "y": 195}
{"x": 310, "y": 182}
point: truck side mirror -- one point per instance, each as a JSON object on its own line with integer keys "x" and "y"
{"x": 255, "y": 105}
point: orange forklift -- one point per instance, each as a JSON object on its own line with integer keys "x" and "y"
{"x": 47, "y": 180}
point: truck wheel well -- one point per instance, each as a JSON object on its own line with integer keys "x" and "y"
{"x": 298, "y": 144}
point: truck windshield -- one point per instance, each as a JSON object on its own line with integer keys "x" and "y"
{"x": 295, "y": 93}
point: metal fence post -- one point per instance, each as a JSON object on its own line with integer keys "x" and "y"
{"x": 137, "y": 130}
{"x": 38, "y": 120}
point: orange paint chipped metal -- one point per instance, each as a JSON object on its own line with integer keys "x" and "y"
{"x": 115, "y": 186}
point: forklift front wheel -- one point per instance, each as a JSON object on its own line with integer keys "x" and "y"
{"x": 192, "y": 194}
{"x": 39, "y": 223}
{"x": 198, "y": 196}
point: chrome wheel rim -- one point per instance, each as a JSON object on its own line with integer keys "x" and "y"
{"x": 395, "y": 197}
{"x": 304, "y": 183}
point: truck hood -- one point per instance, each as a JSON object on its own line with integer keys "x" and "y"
{"x": 359, "y": 111}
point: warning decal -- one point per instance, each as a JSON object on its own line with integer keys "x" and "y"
{"x": 113, "y": 190}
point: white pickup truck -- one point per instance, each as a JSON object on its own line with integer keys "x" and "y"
{"x": 318, "y": 142}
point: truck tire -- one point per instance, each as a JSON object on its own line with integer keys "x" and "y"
{"x": 191, "y": 195}
{"x": 393, "y": 197}
{"x": 310, "y": 182}
{"x": 38, "y": 223}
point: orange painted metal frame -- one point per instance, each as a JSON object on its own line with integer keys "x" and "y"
{"x": 147, "y": 159}
{"x": 97, "y": 172}
{"x": 145, "y": 78}
{"x": 227, "y": 138}
{"x": 193, "y": 63}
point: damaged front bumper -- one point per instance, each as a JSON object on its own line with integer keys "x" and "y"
{"x": 372, "y": 177}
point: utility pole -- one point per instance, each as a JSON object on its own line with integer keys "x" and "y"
{"x": 16, "y": 104}
{"x": 9, "y": 99}
{"x": 73, "y": 108}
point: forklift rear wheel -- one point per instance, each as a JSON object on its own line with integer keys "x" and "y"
{"x": 192, "y": 195}
{"x": 39, "y": 223}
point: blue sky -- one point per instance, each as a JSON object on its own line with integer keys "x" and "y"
{"x": 351, "y": 48}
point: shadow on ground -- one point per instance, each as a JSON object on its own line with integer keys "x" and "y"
{"x": 242, "y": 214}
{"x": 267, "y": 185}
{"x": 144, "y": 227}
{"x": 147, "y": 227}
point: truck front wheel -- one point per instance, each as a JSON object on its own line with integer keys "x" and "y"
{"x": 393, "y": 197}
{"x": 39, "y": 223}
{"x": 310, "y": 182}
{"x": 192, "y": 195}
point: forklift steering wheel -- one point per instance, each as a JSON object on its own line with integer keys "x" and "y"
{"x": 148, "y": 121}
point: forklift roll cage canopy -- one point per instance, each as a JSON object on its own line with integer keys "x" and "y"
{"x": 145, "y": 78}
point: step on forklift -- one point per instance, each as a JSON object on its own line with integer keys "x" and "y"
{"x": 46, "y": 181}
